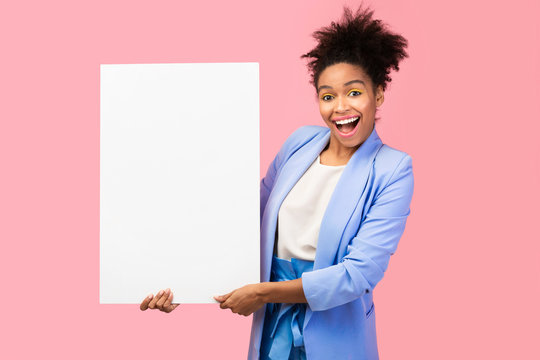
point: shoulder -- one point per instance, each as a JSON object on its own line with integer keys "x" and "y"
{"x": 390, "y": 157}
{"x": 302, "y": 136}
{"x": 305, "y": 134}
{"x": 298, "y": 139}
{"x": 390, "y": 161}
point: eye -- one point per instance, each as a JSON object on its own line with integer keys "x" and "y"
{"x": 355, "y": 92}
{"x": 327, "y": 97}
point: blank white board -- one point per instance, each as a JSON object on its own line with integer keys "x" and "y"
{"x": 179, "y": 180}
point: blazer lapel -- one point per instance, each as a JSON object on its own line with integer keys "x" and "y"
{"x": 344, "y": 200}
{"x": 288, "y": 176}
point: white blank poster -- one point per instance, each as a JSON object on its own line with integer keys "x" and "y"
{"x": 179, "y": 180}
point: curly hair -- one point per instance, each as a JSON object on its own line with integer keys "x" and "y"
{"x": 358, "y": 40}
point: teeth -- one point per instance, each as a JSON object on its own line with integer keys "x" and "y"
{"x": 346, "y": 121}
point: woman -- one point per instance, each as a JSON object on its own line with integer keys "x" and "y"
{"x": 334, "y": 203}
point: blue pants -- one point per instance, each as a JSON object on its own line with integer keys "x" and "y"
{"x": 282, "y": 337}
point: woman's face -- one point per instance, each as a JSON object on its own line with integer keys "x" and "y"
{"x": 347, "y": 103}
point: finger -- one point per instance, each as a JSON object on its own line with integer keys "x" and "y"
{"x": 171, "y": 308}
{"x": 225, "y": 305}
{"x": 146, "y": 301}
{"x": 152, "y": 304}
{"x": 164, "y": 298}
{"x": 222, "y": 298}
{"x": 168, "y": 301}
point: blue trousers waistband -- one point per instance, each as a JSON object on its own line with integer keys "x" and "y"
{"x": 283, "y": 324}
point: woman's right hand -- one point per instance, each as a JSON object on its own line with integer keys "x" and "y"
{"x": 162, "y": 301}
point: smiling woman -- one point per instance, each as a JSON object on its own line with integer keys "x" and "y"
{"x": 334, "y": 203}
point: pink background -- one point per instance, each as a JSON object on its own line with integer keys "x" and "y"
{"x": 465, "y": 281}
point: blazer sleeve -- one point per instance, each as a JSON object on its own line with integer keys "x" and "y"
{"x": 267, "y": 183}
{"x": 369, "y": 251}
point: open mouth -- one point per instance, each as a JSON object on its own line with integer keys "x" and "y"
{"x": 348, "y": 125}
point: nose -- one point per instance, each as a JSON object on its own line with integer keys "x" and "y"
{"x": 342, "y": 104}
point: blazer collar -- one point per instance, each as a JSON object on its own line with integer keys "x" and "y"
{"x": 348, "y": 191}
{"x": 346, "y": 195}
{"x": 291, "y": 171}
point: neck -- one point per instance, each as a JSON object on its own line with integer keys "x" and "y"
{"x": 337, "y": 154}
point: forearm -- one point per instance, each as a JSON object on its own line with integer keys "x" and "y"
{"x": 290, "y": 291}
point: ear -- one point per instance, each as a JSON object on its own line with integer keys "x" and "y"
{"x": 379, "y": 96}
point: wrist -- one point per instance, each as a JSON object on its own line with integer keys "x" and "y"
{"x": 264, "y": 291}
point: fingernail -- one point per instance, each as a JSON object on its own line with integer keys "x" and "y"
{"x": 149, "y": 296}
{"x": 160, "y": 292}
{"x": 168, "y": 290}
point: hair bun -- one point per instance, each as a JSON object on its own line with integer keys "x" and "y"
{"x": 358, "y": 39}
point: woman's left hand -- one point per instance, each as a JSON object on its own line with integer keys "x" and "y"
{"x": 244, "y": 301}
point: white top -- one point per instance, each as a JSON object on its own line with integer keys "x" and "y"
{"x": 301, "y": 213}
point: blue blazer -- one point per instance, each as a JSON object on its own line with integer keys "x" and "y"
{"x": 360, "y": 230}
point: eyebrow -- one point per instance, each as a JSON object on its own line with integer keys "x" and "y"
{"x": 347, "y": 83}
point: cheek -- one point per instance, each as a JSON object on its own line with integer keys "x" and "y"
{"x": 362, "y": 104}
{"x": 325, "y": 111}
{"x": 366, "y": 107}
